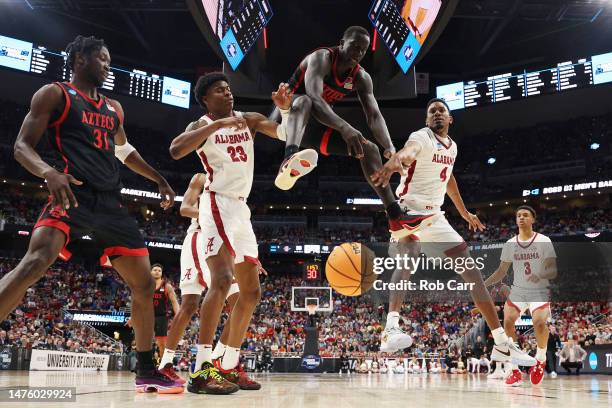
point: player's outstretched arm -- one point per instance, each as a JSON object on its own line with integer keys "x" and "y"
{"x": 129, "y": 156}
{"x": 452, "y": 189}
{"x": 397, "y": 163}
{"x": 375, "y": 119}
{"x": 499, "y": 274}
{"x": 197, "y": 132}
{"x": 44, "y": 102}
{"x": 189, "y": 206}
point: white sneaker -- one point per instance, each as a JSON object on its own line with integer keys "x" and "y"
{"x": 553, "y": 374}
{"x": 510, "y": 352}
{"x": 394, "y": 339}
{"x": 296, "y": 166}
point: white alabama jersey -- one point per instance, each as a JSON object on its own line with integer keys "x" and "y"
{"x": 528, "y": 258}
{"x": 227, "y": 156}
{"x": 194, "y": 226}
{"x": 424, "y": 187}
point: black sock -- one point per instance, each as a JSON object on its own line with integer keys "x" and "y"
{"x": 394, "y": 211}
{"x": 290, "y": 150}
{"x": 145, "y": 362}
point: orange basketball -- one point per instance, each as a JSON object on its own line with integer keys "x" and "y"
{"x": 349, "y": 269}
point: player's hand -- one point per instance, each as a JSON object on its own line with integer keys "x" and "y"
{"x": 167, "y": 194}
{"x": 354, "y": 142}
{"x": 129, "y": 322}
{"x": 533, "y": 278}
{"x": 232, "y": 122}
{"x": 474, "y": 223}
{"x": 394, "y": 165}
{"x": 283, "y": 96}
{"x": 389, "y": 152}
{"x": 58, "y": 185}
{"x": 261, "y": 269}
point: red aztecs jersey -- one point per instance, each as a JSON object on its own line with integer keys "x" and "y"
{"x": 83, "y": 137}
{"x": 160, "y": 300}
{"x": 334, "y": 88}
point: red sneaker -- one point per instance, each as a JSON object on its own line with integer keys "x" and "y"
{"x": 536, "y": 373}
{"x": 239, "y": 377}
{"x": 515, "y": 379}
{"x": 407, "y": 224}
{"x": 168, "y": 371}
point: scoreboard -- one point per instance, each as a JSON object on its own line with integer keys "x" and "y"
{"x": 400, "y": 31}
{"x": 395, "y": 33}
{"x": 245, "y": 30}
{"x": 312, "y": 271}
{"x": 510, "y": 86}
{"x": 38, "y": 60}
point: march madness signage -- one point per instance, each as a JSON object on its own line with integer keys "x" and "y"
{"x": 67, "y": 361}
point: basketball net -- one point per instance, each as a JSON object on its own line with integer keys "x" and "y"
{"x": 312, "y": 308}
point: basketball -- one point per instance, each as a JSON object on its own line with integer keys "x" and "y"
{"x": 349, "y": 269}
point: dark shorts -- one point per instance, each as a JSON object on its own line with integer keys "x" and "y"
{"x": 325, "y": 140}
{"x": 100, "y": 215}
{"x": 161, "y": 326}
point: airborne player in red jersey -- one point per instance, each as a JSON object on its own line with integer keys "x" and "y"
{"x": 322, "y": 78}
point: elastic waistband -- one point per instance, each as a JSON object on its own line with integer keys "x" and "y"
{"x": 228, "y": 195}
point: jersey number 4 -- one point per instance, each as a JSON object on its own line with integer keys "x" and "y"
{"x": 237, "y": 153}
{"x": 443, "y": 174}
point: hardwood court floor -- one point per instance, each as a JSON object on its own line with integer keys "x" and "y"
{"x": 115, "y": 389}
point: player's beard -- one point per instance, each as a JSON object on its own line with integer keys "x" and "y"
{"x": 97, "y": 81}
{"x": 436, "y": 127}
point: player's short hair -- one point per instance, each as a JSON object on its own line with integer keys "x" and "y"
{"x": 434, "y": 100}
{"x": 528, "y": 208}
{"x": 158, "y": 265}
{"x": 355, "y": 30}
{"x": 205, "y": 82}
{"x": 83, "y": 45}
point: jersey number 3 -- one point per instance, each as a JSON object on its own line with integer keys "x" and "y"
{"x": 237, "y": 153}
{"x": 527, "y": 268}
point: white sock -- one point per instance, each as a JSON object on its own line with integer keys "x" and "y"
{"x": 392, "y": 320}
{"x": 168, "y": 357}
{"x": 508, "y": 367}
{"x": 203, "y": 355}
{"x": 218, "y": 350}
{"x": 499, "y": 336}
{"x": 541, "y": 354}
{"x": 230, "y": 358}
